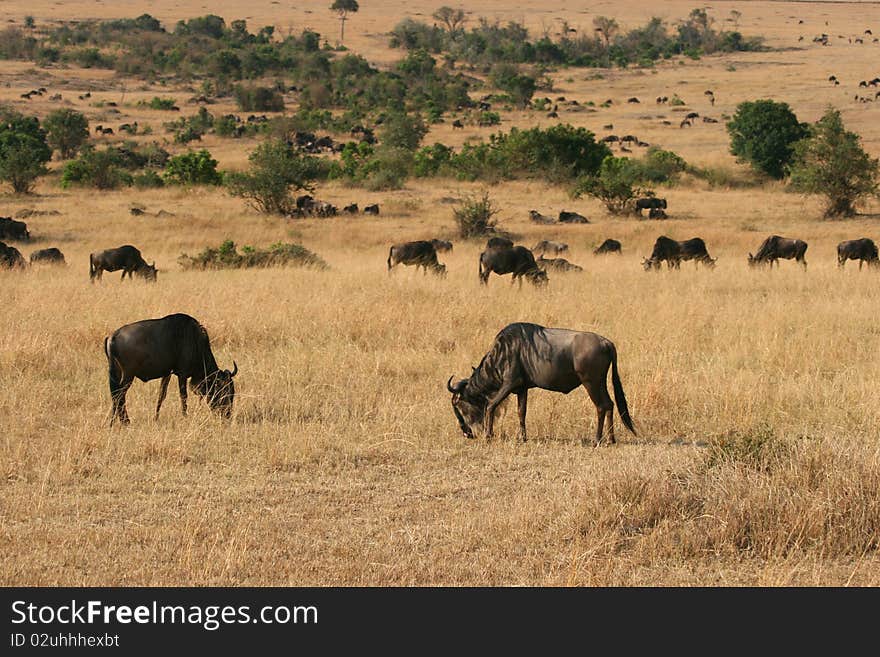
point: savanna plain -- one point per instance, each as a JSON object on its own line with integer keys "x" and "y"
{"x": 755, "y": 393}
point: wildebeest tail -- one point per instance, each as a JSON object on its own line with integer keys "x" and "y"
{"x": 619, "y": 397}
{"x": 114, "y": 368}
{"x": 390, "y": 251}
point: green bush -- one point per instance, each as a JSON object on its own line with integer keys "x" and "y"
{"x": 475, "y": 217}
{"x": 192, "y": 168}
{"x": 763, "y": 134}
{"x": 24, "y": 150}
{"x": 615, "y": 184}
{"x": 102, "y": 169}
{"x": 226, "y": 256}
{"x": 149, "y": 179}
{"x": 156, "y": 103}
{"x": 259, "y": 99}
{"x": 404, "y": 131}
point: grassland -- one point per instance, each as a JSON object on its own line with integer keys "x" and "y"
{"x": 756, "y": 394}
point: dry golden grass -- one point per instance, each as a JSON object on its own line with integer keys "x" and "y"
{"x": 756, "y": 394}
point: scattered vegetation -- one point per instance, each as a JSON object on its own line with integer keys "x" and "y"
{"x": 226, "y": 256}
{"x": 475, "y": 216}
{"x": 193, "y": 168}
{"x": 66, "y": 131}
{"x": 24, "y": 150}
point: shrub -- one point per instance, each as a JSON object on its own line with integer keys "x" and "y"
{"x": 475, "y": 217}
{"x": 157, "y": 103}
{"x": 431, "y": 160}
{"x": 615, "y": 184}
{"x": 24, "y": 150}
{"x": 227, "y": 257}
{"x": 149, "y": 179}
{"x": 401, "y": 130}
{"x": 192, "y": 168}
{"x": 763, "y": 133}
{"x": 389, "y": 168}
{"x": 99, "y": 169}
{"x": 259, "y": 99}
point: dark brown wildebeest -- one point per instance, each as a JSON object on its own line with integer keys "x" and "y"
{"x": 420, "y": 253}
{"x": 525, "y": 356}
{"x": 546, "y": 246}
{"x": 557, "y": 264}
{"x": 50, "y": 256}
{"x": 351, "y": 209}
{"x": 517, "y": 260}
{"x": 10, "y": 229}
{"x": 11, "y": 258}
{"x": 156, "y": 349}
{"x": 441, "y": 246}
{"x": 862, "y": 249}
{"x": 572, "y": 218}
{"x": 632, "y": 100}
{"x": 775, "y": 247}
{"x": 457, "y": 124}
{"x": 650, "y": 203}
{"x": 657, "y": 213}
{"x": 499, "y": 243}
{"x": 372, "y": 209}
{"x": 539, "y": 218}
{"x": 608, "y": 246}
{"x": 673, "y": 252}
{"x": 127, "y": 258}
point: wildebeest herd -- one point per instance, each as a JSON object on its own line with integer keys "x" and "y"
{"x": 522, "y": 356}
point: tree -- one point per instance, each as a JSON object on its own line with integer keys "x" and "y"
{"x": 343, "y": 8}
{"x": 453, "y": 19}
{"x": 507, "y": 78}
{"x": 23, "y": 150}
{"x": 66, "y": 131}
{"x": 763, "y": 134}
{"x": 276, "y": 172}
{"x": 832, "y": 162}
{"x": 401, "y": 130}
{"x": 614, "y": 184}
{"x": 607, "y": 27}
{"x": 193, "y": 168}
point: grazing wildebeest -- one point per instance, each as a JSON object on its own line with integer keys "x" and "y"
{"x": 51, "y": 256}
{"x": 420, "y": 253}
{"x": 557, "y": 264}
{"x": 499, "y": 243}
{"x": 457, "y": 124}
{"x": 572, "y": 218}
{"x": 775, "y": 247}
{"x": 10, "y": 257}
{"x": 608, "y": 246}
{"x": 157, "y": 348}
{"x": 649, "y": 203}
{"x": 517, "y": 260}
{"x": 546, "y": 246}
{"x": 539, "y": 218}
{"x": 863, "y": 250}
{"x": 372, "y": 209}
{"x": 673, "y": 252}
{"x": 441, "y": 246}
{"x": 656, "y": 213}
{"x": 525, "y": 356}
{"x": 127, "y": 258}
{"x": 632, "y": 100}
{"x": 351, "y": 209}
{"x": 10, "y": 229}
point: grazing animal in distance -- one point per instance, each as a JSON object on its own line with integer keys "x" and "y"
{"x": 608, "y": 246}
{"x": 156, "y": 349}
{"x": 517, "y": 260}
{"x": 10, "y": 229}
{"x": 657, "y": 213}
{"x": 441, "y": 246}
{"x": 673, "y": 252}
{"x": 51, "y": 256}
{"x": 539, "y": 218}
{"x": 632, "y": 100}
{"x": 862, "y": 249}
{"x": 557, "y": 264}
{"x": 547, "y": 246}
{"x": 127, "y": 258}
{"x": 11, "y": 258}
{"x": 525, "y": 356}
{"x": 351, "y": 208}
{"x": 420, "y": 253}
{"x": 457, "y": 125}
{"x": 649, "y": 203}
{"x": 775, "y": 247}
{"x": 372, "y": 209}
{"x": 572, "y": 218}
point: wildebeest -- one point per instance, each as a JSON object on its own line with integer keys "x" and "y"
{"x": 862, "y": 249}
{"x": 51, "y": 256}
{"x": 557, "y": 264}
{"x": 649, "y": 202}
{"x": 441, "y": 246}
{"x": 525, "y": 356}
{"x": 10, "y": 229}
{"x": 10, "y": 257}
{"x": 351, "y": 209}
{"x": 673, "y": 252}
{"x": 572, "y": 218}
{"x": 608, "y": 246}
{"x": 157, "y": 348}
{"x": 547, "y": 246}
{"x": 517, "y": 260}
{"x": 775, "y": 247}
{"x": 656, "y": 213}
{"x": 499, "y": 243}
{"x": 539, "y": 218}
{"x": 457, "y": 124}
{"x": 127, "y": 258}
{"x": 420, "y": 253}
{"x": 372, "y": 209}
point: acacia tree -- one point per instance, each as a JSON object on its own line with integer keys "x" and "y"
{"x": 832, "y": 162}
{"x": 607, "y": 27}
{"x": 763, "y": 134}
{"x": 343, "y": 8}
{"x": 66, "y": 131}
{"x": 453, "y": 19}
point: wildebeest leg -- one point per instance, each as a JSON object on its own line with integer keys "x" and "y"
{"x": 522, "y": 400}
{"x": 860, "y": 264}
{"x": 117, "y": 394}
{"x": 163, "y": 388}
{"x": 604, "y": 408}
{"x": 499, "y": 397}
{"x": 181, "y": 384}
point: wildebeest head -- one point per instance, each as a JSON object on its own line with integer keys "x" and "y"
{"x": 469, "y": 413}
{"x": 439, "y": 269}
{"x": 148, "y": 272}
{"x": 650, "y": 263}
{"x": 537, "y": 277}
{"x": 221, "y": 390}
{"x": 753, "y": 261}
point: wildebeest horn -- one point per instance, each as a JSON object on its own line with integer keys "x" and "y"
{"x": 449, "y": 385}
{"x": 234, "y": 369}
